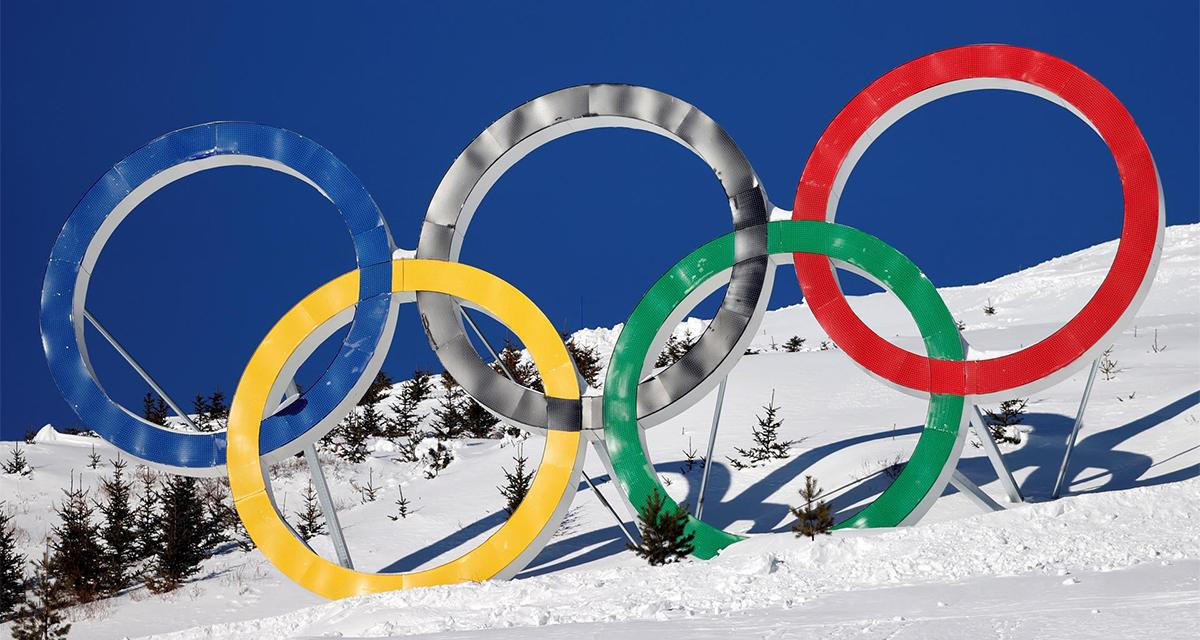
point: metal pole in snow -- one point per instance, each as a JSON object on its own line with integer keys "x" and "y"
{"x": 712, "y": 441}
{"x": 1087, "y": 393}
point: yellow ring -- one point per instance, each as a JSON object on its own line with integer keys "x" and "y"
{"x": 514, "y": 543}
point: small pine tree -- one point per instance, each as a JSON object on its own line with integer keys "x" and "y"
{"x": 436, "y": 458}
{"x": 379, "y": 391}
{"x": 824, "y": 346}
{"x": 12, "y": 578}
{"x": 76, "y": 546}
{"x": 118, "y": 531}
{"x": 220, "y": 516}
{"x": 93, "y": 459}
{"x": 312, "y": 523}
{"x": 154, "y": 409}
{"x": 16, "y": 464}
{"x": 405, "y": 424}
{"x": 664, "y": 531}
{"x": 350, "y": 437}
{"x": 675, "y": 349}
{"x": 212, "y": 414}
{"x": 180, "y": 548}
{"x": 522, "y": 370}
{"x": 370, "y": 490}
{"x": 1155, "y": 347}
{"x": 691, "y": 459}
{"x": 587, "y": 360}
{"x": 401, "y": 506}
{"x": 767, "y": 445}
{"x": 815, "y": 516}
{"x": 478, "y": 422}
{"x": 449, "y": 416}
{"x": 1011, "y": 413}
{"x": 221, "y": 521}
{"x": 793, "y": 344}
{"x": 145, "y": 517}
{"x": 517, "y": 482}
{"x": 989, "y": 309}
{"x": 40, "y": 617}
{"x": 1108, "y": 366}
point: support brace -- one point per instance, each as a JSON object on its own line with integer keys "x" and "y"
{"x": 712, "y": 441}
{"x": 140, "y": 371}
{"x": 973, "y": 492}
{"x": 994, "y": 456}
{"x": 324, "y": 498}
{"x": 607, "y": 505}
{"x": 597, "y": 439}
{"x": 327, "y": 510}
{"x": 599, "y": 446}
{"x": 1087, "y": 394}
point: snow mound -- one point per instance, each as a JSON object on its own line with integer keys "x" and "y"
{"x": 1098, "y": 532}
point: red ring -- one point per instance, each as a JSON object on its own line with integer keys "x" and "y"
{"x": 1135, "y": 252}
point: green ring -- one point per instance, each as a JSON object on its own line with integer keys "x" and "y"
{"x": 940, "y": 441}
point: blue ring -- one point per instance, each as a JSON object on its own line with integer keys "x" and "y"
{"x": 199, "y": 451}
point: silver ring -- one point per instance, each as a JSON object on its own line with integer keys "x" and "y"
{"x": 554, "y": 115}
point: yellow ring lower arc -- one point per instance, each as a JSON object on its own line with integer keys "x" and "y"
{"x": 555, "y": 477}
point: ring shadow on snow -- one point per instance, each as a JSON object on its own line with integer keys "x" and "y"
{"x": 1042, "y": 452}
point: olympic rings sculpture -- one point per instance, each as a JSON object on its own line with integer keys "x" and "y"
{"x": 635, "y": 397}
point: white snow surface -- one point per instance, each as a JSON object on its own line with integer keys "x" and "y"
{"x": 1099, "y": 533}
{"x": 1118, "y": 556}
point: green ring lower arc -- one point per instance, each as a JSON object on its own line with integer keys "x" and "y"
{"x": 940, "y": 441}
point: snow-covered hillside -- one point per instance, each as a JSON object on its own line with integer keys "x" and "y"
{"x": 1120, "y": 556}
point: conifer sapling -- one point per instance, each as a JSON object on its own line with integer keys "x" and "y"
{"x": 40, "y": 616}
{"x": 118, "y": 530}
{"x": 76, "y": 546}
{"x": 312, "y": 523}
{"x": 180, "y": 546}
{"x": 815, "y": 516}
{"x": 664, "y": 531}
{"x": 401, "y": 506}
{"x": 12, "y": 577}
{"x": 16, "y": 463}
{"x": 517, "y": 482}
{"x": 767, "y": 445}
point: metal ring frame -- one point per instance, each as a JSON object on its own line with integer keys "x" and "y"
{"x": 933, "y": 460}
{"x": 946, "y": 73}
{"x": 113, "y": 198}
{"x": 505, "y": 552}
{"x": 553, "y": 116}
{"x": 631, "y": 401}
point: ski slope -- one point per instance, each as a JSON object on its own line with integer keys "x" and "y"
{"x": 1120, "y": 555}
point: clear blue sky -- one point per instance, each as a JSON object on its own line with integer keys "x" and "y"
{"x": 193, "y": 280}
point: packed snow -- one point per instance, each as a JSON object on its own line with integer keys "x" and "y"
{"x": 1120, "y": 555}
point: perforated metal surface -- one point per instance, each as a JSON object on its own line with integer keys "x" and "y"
{"x": 558, "y": 114}
{"x": 936, "y": 454}
{"x": 967, "y": 69}
{"x": 117, "y": 193}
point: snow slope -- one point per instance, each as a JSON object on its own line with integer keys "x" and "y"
{"x": 1127, "y": 536}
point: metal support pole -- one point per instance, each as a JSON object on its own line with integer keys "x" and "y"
{"x": 620, "y": 523}
{"x": 712, "y": 441}
{"x": 140, "y": 371}
{"x": 604, "y": 457}
{"x": 994, "y": 456}
{"x": 973, "y": 492}
{"x": 597, "y": 440}
{"x": 1087, "y": 393}
{"x": 324, "y": 498}
{"x": 495, "y": 356}
{"x": 327, "y": 510}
